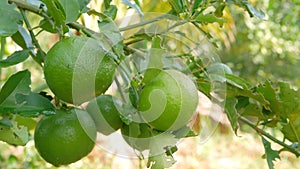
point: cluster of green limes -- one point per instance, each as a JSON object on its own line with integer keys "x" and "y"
{"x": 78, "y": 70}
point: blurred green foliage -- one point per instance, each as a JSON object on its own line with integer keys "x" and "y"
{"x": 266, "y": 49}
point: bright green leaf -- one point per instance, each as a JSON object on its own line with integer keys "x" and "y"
{"x": 10, "y": 19}
{"x": 72, "y": 9}
{"x": 15, "y": 58}
{"x": 15, "y": 135}
{"x": 209, "y": 18}
{"x": 290, "y": 100}
{"x": 270, "y": 154}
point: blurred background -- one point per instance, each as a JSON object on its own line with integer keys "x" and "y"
{"x": 254, "y": 49}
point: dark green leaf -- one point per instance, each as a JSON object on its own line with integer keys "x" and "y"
{"x": 209, "y": 18}
{"x": 10, "y": 19}
{"x": 231, "y": 112}
{"x": 253, "y": 109}
{"x": 15, "y": 58}
{"x": 17, "y": 83}
{"x": 32, "y": 105}
{"x": 270, "y": 154}
{"x": 107, "y": 3}
{"x": 219, "y": 10}
{"x": 22, "y": 38}
{"x": 196, "y": 4}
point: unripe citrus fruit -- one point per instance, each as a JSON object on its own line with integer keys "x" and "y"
{"x": 65, "y": 137}
{"x": 105, "y": 113}
{"x": 78, "y": 69}
{"x": 168, "y": 100}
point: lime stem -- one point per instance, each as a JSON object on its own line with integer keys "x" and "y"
{"x": 269, "y": 136}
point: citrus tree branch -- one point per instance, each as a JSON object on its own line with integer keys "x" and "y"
{"x": 269, "y": 136}
{"x": 35, "y": 41}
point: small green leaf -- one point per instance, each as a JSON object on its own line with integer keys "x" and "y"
{"x": 17, "y": 83}
{"x": 253, "y": 11}
{"x": 10, "y": 19}
{"x": 209, "y": 18}
{"x": 15, "y": 58}
{"x": 270, "y": 154}
{"x": 237, "y": 81}
{"x": 290, "y": 100}
{"x": 231, "y": 112}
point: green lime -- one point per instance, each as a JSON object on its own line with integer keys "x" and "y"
{"x": 77, "y": 69}
{"x": 168, "y": 99}
{"x": 65, "y": 137}
{"x": 105, "y": 112}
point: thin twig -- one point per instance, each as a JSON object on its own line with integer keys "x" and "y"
{"x": 34, "y": 40}
{"x": 262, "y": 132}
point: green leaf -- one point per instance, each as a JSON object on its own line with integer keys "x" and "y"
{"x": 269, "y": 94}
{"x": 237, "y": 81}
{"x": 290, "y": 100}
{"x": 253, "y": 109}
{"x": 22, "y": 38}
{"x": 134, "y": 6}
{"x": 57, "y": 13}
{"x": 159, "y": 145}
{"x": 32, "y": 105}
{"x": 15, "y": 135}
{"x": 253, "y": 11}
{"x": 270, "y": 154}
{"x": 17, "y": 83}
{"x": 107, "y": 3}
{"x": 209, "y": 18}
{"x": 291, "y": 130}
{"x": 15, "y": 58}
{"x": 196, "y": 4}
{"x": 10, "y": 19}
{"x": 83, "y": 4}
{"x": 231, "y": 112}
{"x": 112, "y": 33}
{"x": 177, "y": 5}
{"x": 111, "y": 11}
{"x": 72, "y": 9}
